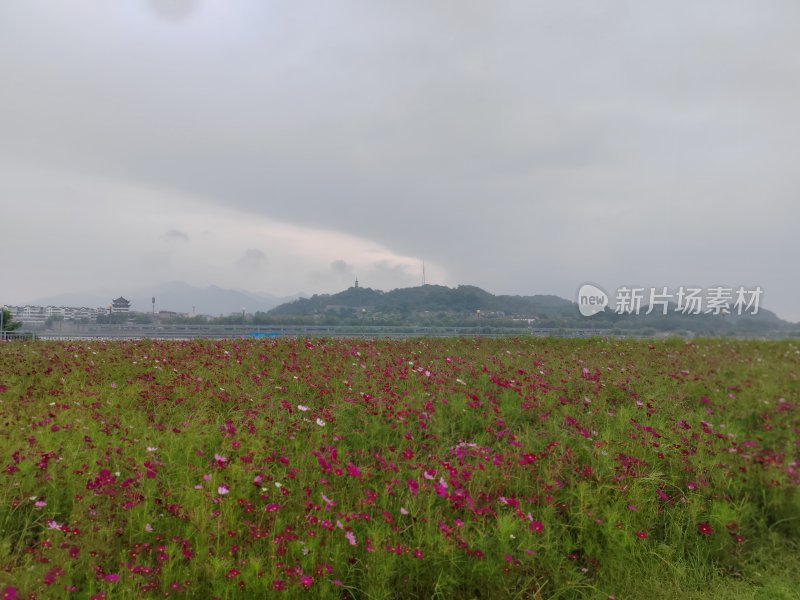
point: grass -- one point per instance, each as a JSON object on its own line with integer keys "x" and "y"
{"x": 428, "y": 468}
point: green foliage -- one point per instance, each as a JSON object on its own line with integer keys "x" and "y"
{"x": 542, "y": 468}
{"x": 9, "y": 324}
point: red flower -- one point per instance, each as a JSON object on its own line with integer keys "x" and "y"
{"x": 642, "y": 535}
{"x": 704, "y": 528}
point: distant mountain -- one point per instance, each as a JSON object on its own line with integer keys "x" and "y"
{"x": 440, "y": 304}
{"x": 175, "y": 296}
{"x": 432, "y": 298}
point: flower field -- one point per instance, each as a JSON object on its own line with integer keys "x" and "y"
{"x": 448, "y": 468}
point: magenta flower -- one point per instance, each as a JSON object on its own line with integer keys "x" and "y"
{"x": 306, "y": 581}
{"x": 112, "y": 577}
{"x": 704, "y": 528}
{"x": 9, "y": 593}
{"x": 50, "y": 577}
{"x": 537, "y": 526}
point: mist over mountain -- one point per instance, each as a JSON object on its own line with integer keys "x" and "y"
{"x": 176, "y": 296}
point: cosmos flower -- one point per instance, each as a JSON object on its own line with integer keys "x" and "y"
{"x": 704, "y": 528}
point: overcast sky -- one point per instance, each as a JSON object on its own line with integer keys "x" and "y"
{"x": 277, "y": 146}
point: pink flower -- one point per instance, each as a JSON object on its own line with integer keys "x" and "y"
{"x": 306, "y": 580}
{"x": 112, "y": 577}
{"x": 223, "y": 489}
{"x": 353, "y": 470}
{"x": 537, "y": 526}
{"x": 278, "y": 585}
{"x": 40, "y": 504}
{"x": 642, "y": 535}
{"x": 351, "y": 537}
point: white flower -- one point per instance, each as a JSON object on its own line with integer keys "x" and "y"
{"x": 320, "y": 422}
{"x": 302, "y": 408}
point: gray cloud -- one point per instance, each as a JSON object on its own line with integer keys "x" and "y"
{"x": 340, "y": 267}
{"x": 173, "y": 10}
{"x": 253, "y": 259}
{"x": 175, "y": 234}
{"x": 522, "y": 146}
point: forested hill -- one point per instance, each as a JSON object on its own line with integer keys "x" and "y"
{"x": 469, "y": 305}
{"x": 432, "y": 298}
